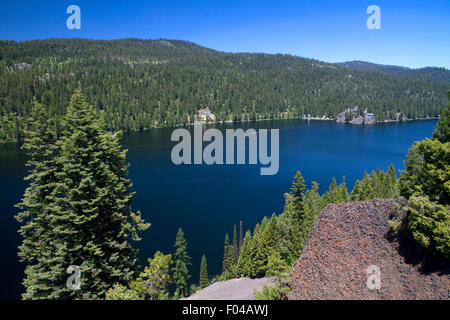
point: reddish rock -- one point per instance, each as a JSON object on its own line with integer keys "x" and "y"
{"x": 347, "y": 239}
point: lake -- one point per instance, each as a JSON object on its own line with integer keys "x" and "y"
{"x": 206, "y": 201}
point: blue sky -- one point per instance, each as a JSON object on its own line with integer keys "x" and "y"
{"x": 413, "y": 33}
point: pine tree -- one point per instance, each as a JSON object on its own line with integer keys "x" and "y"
{"x": 182, "y": 260}
{"x": 377, "y": 182}
{"x": 312, "y": 210}
{"x": 297, "y": 192}
{"x": 296, "y": 214}
{"x": 241, "y": 239}
{"x": 268, "y": 241}
{"x": 87, "y": 210}
{"x": 442, "y": 130}
{"x": 245, "y": 265}
{"x": 366, "y": 188}
{"x": 228, "y": 264}
{"x": 276, "y": 266}
{"x": 426, "y": 183}
{"x": 391, "y": 182}
{"x": 204, "y": 282}
{"x": 37, "y": 247}
{"x": 226, "y": 249}
{"x": 355, "y": 195}
{"x": 409, "y": 179}
{"x": 235, "y": 245}
{"x": 152, "y": 283}
{"x": 344, "y": 196}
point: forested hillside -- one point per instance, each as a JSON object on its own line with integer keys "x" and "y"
{"x": 140, "y": 84}
{"x": 440, "y": 74}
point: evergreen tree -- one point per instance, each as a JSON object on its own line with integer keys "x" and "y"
{"x": 245, "y": 264}
{"x": 429, "y": 224}
{"x": 87, "y": 206}
{"x": 204, "y": 282}
{"x": 391, "y": 184}
{"x": 235, "y": 245}
{"x": 408, "y": 181}
{"x": 442, "y": 130}
{"x": 226, "y": 249}
{"x": 312, "y": 210}
{"x": 228, "y": 265}
{"x": 426, "y": 182}
{"x": 366, "y": 188}
{"x": 121, "y": 292}
{"x": 297, "y": 192}
{"x": 344, "y": 196}
{"x": 355, "y": 195}
{"x": 268, "y": 241}
{"x": 37, "y": 247}
{"x": 182, "y": 260}
{"x": 333, "y": 193}
{"x": 434, "y": 176}
{"x": 286, "y": 244}
{"x": 241, "y": 239}
{"x": 152, "y": 283}
{"x": 276, "y": 266}
{"x": 295, "y": 211}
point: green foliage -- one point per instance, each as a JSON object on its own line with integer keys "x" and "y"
{"x": 336, "y": 193}
{"x": 204, "y": 282}
{"x": 235, "y": 246}
{"x": 276, "y": 266}
{"x": 300, "y": 213}
{"x": 182, "y": 260}
{"x": 426, "y": 182}
{"x": 277, "y": 242}
{"x": 246, "y": 263}
{"x": 429, "y": 224}
{"x": 228, "y": 264}
{"x": 427, "y": 171}
{"x": 153, "y": 281}
{"x": 141, "y": 84}
{"x": 76, "y": 210}
{"x": 408, "y": 180}
{"x": 120, "y": 292}
{"x": 434, "y": 175}
{"x": 376, "y": 185}
{"x": 267, "y": 242}
{"x": 442, "y": 130}
{"x": 273, "y": 292}
{"x": 298, "y": 192}
{"x": 292, "y": 220}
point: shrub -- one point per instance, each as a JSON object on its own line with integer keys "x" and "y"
{"x": 429, "y": 224}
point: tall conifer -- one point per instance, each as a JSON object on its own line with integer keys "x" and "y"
{"x": 203, "y": 273}
{"x": 88, "y": 218}
{"x": 235, "y": 245}
{"x": 182, "y": 260}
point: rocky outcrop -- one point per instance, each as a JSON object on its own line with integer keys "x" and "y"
{"x": 22, "y": 66}
{"x": 234, "y": 289}
{"x": 346, "y": 115}
{"x": 357, "y": 120}
{"x": 347, "y": 247}
{"x": 351, "y": 115}
{"x": 401, "y": 117}
{"x": 206, "y": 115}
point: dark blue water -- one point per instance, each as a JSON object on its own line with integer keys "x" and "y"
{"x": 206, "y": 201}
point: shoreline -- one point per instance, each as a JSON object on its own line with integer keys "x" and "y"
{"x": 257, "y": 120}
